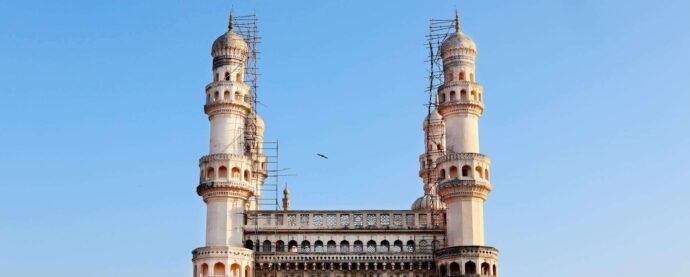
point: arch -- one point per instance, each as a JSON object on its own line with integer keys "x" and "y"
{"x": 470, "y": 268}
{"x": 462, "y": 75}
{"x": 449, "y": 76}
{"x": 443, "y": 97}
{"x": 444, "y": 272}
{"x": 439, "y": 147}
{"x": 238, "y": 96}
{"x": 453, "y": 96}
{"x": 266, "y": 247}
{"x": 238, "y": 77}
{"x": 246, "y": 98}
{"x": 480, "y": 172}
{"x": 222, "y": 172}
{"x": 454, "y": 269}
{"x": 358, "y": 247}
{"x": 318, "y": 246}
{"x": 292, "y": 246}
{"x": 204, "y": 270}
{"x": 226, "y": 95}
{"x": 442, "y": 174}
{"x": 219, "y": 269}
{"x": 247, "y": 271}
{"x": 216, "y": 96}
{"x": 397, "y": 246}
{"x": 371, "y": 246}
{"x": 453, "y": 172}
{"x": 384, "y": 247}
{"x": 344, "y": 246}
{"x": 486, "y": 173}
{"x": 235, "y": 269}
{"x": 246, "y": 175}
{"x": 210, "y": 173}
{"x": 235, "y": 172}
{"x": 249, "y": 244}
{"x": 472, "y": 77}
{"x": 215, "y": 77}
{"x": 463, "y": 95}
{"x": 305, "y": 247}
{"x": 474, "y": 95}
{"x": 466, "y": 171}
{"x": 486, "y": 268}
{"x": 331, "y": 246}
{"x": 410, "y": 246}
{"x": 280, "y": 246}
{"x": 227, "y": 76}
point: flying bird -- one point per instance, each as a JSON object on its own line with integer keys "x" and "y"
{"x": 322, "y": 156}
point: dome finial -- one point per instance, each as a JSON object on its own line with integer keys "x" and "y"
{"x": 232, "y": 11}
{"x": 457, "y": 21}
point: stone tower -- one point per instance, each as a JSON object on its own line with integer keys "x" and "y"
{"x": 232, "y": 173}
{"x": 463, "y": 172}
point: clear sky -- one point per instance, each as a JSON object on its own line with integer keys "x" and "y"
{"x": 586, "y": 121}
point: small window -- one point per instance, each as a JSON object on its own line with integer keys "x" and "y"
{"x": 227, "y": 76}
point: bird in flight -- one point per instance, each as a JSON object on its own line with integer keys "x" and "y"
{"x": 322, "y": 156}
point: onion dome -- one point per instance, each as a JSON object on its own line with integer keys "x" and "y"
{"x": 433, "y": 117}
{"x": 229, "y": 40}
{"x": 458, "y": 40}
{"x": 428, "y": 202}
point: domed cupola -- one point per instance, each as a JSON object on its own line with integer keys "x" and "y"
{"x": 428, "y": 202}
{"x": 230, "y": 43}
{"x": 458, "y": 40}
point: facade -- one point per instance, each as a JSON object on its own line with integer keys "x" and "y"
{"x": 441, "y": 235}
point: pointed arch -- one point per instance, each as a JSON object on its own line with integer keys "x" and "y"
{"x": 470, "y": 268}
{"x": 222, "y": 172}
{"x": 344, "y": 246}
{"x": 453, "y": 172}
{"x": 453, "y": 96}
{"x": 204, "y": 270}
{"x": 236, "y": 172}
{"x": 210, "y": 173}
{"x": 466, "y": 171}
{"x": 219, "y": 269}
{"x": 226, "y": 95}
{"x": 463, "y": 95}
{"x": 227, "y": 76}
{"x": 454, "y": 269}
{"x": 480, "y": 172}
{"x": 462, "y": 75}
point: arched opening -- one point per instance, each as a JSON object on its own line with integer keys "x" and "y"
{"x": 462, "y": 75}
{"x": 444, "y": 272}
{"x": 305, "y": 247}
{"x": 371, "y": 246}
{"x": 280, "y": 246}
{"x": 358, "y": 247}
{"x": 219, "y": 269}
{"x": 463, "y": 95}
{"x": 226, "y": 95}
{"x": 453, "y": 96}
{"x": 486, "y": 269}
{"x": 410, "y": 246}
{"x": 247, "y": 271}
{"x": 453, "y": 171}
{"x": 249, "y": 244}
{"x": 454, "y": 269}
{"x": 216, "y": 96}
{"x": 227, "y": 76}
{"x": 266, "y": 247}
{"x": 474, "y": 95}
{"x": 344, "y": 247}
{"x": 246, "y": 175}
{"x": 210, "y": 173}
{"x": 449, "y": 76}
{"x": 235, "y": 172}
{"x": 466, "y": 171}
{"x": 439, "y": 147}
{"x": 384, "y": 247}
{"x": 246, "y": 98}
{"x": 238, "y": 77}
{"x": 493, "y": 272}
{"x": 443, "y": 97}
{"x": 318, "y": 246}
{"x": 238, "y": 96}
{"x": 330, "y": 246}
{"x": 204, "y": 270}
{"x": 442, "y": 175}
{"x": 480, "y": 172}
{"x": 235, "y": 268}
{"x": 223, "y": 172}
{"x": 292, "y": 246}
{"x": 470, "y": 268}
{"x": 397, "y": 246}
{"x": 215, "y": 77}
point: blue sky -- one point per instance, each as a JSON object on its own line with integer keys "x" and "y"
{"x": 586, "y": 121}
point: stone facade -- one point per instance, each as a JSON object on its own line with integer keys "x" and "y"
{"x": 441, "y": 235}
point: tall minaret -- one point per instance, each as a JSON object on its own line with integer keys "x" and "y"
{"x": 233, "y": 172}
{"x": 463, "y": 171}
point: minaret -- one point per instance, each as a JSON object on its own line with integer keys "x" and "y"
{"x": 463, "y": 172}
{"x": 233, "y": 172}
{"x": 435, "y": 147}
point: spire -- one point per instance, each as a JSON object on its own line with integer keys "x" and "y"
{"x": 457, "y": 21}
{"x": 286, "y": 198}
{"x": 230, "y": 20}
